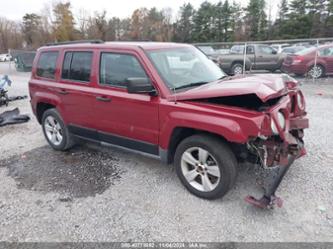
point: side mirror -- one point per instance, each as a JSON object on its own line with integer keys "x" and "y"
{"x": 140, "y": 85}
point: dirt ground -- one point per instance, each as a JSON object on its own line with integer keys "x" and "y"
{"x": 94, "y": 193}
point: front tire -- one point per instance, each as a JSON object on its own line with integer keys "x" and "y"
{"x": 206, "y": 166}
{"x": 55, "y": 131}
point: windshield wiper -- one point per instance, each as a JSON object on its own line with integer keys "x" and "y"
{"x": 199, "y": 83}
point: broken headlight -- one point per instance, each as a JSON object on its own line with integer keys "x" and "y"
{"x": 300, "y": 101}
{"x": 281, "y": 122}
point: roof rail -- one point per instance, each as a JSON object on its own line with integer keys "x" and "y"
{"x": 74, "y": 42}
{"x": 140, "y": 40}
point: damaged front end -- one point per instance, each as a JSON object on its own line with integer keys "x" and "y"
{"x": 279, "y": 143}
{"x": 271, "y": 111}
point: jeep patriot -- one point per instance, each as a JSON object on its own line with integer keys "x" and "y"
{"x": 170, "y": 101}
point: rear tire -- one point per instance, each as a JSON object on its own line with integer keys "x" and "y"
{"x": 316, "y": 72}
{"x": 55, "y": 131}
{"x": 206, "y": 166}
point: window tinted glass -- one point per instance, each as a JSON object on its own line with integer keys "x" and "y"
{"x": 47, "y": 64}
{"x": 116, "y": 68}
{"x": 77, "y": 66}
{"x": 66, "y": 66}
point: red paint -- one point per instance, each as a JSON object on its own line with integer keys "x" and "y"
{"x": 265, "y": 86}
{"x": 152, "y": 119}
{"x": 301, "y": 64}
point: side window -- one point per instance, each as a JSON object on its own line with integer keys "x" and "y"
{"x": 77, "y": 66}
{"x": 326, "y": 52}
{"x": 265, "y": 49}
{"x": 116, "y": 68}
{"x": 46, "y": 65}
{"x": 250, "y": 50}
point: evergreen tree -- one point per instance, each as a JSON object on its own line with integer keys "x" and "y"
{"x": 299, "y": 22}
{"x": 317, "y": 12}
{"x": 329, "y": 20}
{"x": 223, "y": 21}
{"x": 256, "y": 20}
{"x": 237, "y": 24}
{"x": 204, "y": 23}
{"x": 283, "y": 10}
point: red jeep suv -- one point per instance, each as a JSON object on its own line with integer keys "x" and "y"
{"x": 170, "y": 101}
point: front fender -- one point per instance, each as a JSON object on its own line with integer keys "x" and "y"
{"x": 233, "y": 127}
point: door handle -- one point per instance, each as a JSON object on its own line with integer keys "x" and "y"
{"x": 103, "y": 99}
{"x": 63, "y": 92}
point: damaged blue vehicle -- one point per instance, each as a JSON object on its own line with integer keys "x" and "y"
{"x": 4, "y": 82}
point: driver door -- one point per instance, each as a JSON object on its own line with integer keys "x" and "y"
{"x": 266, "y": 58}
{"x": 121, "y": 118}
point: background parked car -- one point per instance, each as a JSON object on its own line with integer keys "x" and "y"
{"x": 280, "y": 47}
{"x": 303, "y": 62}
{"x": 222, "y": 51}
{"x": 258, "y": 57}
{"x": 23, "y": 61}
{"x": 210, "y": 52}
{"x": 5, "y": 57}
{"x": 292, "y": 50}
{"x": 303, "y": 44}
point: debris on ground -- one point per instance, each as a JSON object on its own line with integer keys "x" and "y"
{"x": 13, "y": 117}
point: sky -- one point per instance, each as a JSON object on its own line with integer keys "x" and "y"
{"x": 15, "y": 9}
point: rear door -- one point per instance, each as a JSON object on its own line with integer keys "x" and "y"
{"x": 265, "y": 58}
{"x": 75, "y": 87}
{"x": 129, "y": 120}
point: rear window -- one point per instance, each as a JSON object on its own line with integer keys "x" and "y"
{"x": 77, "y": 66}
{"x": 46, "y": 65}
{"x": 306, "y": 51}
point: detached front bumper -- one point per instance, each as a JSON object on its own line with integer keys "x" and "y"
{"x": 278, "y": 152}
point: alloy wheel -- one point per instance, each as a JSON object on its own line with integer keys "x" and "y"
{"x": 200, "y": 169}
{"x": 316, "y": 72}
{"x": 238, "y": 70}
{"x": 53, "y": 130}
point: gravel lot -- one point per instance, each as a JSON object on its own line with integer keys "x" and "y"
{"x": 94, "y": 193}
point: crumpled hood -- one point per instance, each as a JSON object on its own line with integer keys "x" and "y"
{"x": 265, "y": 86}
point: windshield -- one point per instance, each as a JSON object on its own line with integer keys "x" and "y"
{"x": 207, "y": 49}
{"x": 185, "y": 67}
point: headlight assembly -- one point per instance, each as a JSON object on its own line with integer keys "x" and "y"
{"x": 300, "y": 101}
{"x": 281, "y": 122}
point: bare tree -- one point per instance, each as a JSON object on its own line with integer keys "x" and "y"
{"x": 83, "y": 19}
{"x": 10, "y": 35}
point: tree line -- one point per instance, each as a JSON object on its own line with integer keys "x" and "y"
{"x": 224, "y": 21}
